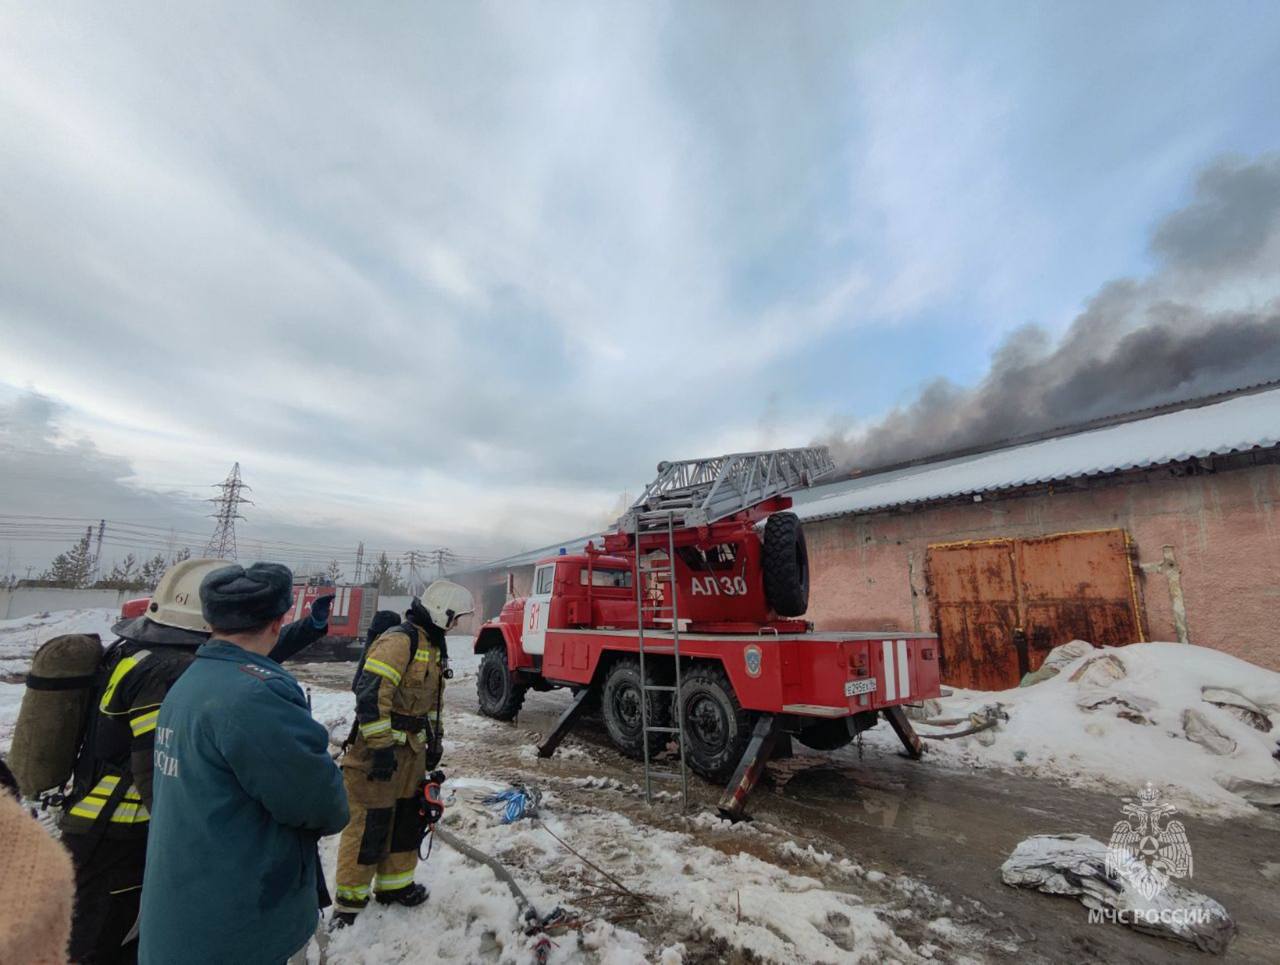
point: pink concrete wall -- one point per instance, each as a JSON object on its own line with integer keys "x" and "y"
{"x": 1224, "y": 530}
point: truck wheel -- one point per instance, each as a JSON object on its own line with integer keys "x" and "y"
{"x": 786, "y": 565}
{"x": 620, "y": 708}
{"x": 830, "y": 735}
{"x": 716, "y": 728}
{"x": 501, "y": 696}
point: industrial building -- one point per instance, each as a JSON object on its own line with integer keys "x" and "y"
{"x": 1162, "y": 524}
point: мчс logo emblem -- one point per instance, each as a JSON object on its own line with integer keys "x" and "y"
{"x": 1145, "y": 853}
{"x": 753, "y": 658}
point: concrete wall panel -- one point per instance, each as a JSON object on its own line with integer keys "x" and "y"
{"x": 25, "y": 601}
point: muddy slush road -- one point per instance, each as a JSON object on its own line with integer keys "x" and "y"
{"x": 946, "y": 828}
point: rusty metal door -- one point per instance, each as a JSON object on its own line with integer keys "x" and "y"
{"x": 1078, "y": 586}
{"x": 973, "y": 589}
{"x": 1000, "y": 606}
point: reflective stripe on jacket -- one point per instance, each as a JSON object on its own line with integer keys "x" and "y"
{"x": 399, "y": 681}
{"x": 122, "y": 740}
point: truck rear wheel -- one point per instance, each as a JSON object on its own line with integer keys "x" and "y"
{"x": 786, "y": 565}
{"x": 716, "y": 728}
{"x": 501, "y": 695}
{"x": 620, "y": 708}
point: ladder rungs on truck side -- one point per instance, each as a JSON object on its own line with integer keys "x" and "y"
{"x": 697, "y": 492}
{"x": 649, "y": 609}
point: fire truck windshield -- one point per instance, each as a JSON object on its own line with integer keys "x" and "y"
{"x": 615, "y": 578}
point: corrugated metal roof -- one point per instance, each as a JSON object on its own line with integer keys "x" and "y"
{"x": 1236, "y": 424}
{"x": 1233, "y": 425}
{"x": 530, "y": 557}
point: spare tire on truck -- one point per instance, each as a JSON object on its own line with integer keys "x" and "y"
{"x": 786, "y": 565}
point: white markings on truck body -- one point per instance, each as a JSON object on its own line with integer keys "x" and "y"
{"x": 724, "y": 586}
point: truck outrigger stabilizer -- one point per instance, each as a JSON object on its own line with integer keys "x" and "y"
{"x": 686, "y": 625}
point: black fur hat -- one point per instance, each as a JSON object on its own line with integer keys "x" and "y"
{"x": 234, "y": 598}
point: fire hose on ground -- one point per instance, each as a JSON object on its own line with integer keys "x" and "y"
{"x": 527, "y": 911}
{"x": 520, "y": 801}
{"x": 978, "y": 721}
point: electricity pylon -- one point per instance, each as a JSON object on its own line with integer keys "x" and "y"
{"x": 222, "y": 544}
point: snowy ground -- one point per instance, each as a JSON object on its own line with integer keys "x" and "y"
{"x": 1185, "y": 718}
{"x": 705, "y": 890}
{"x": 21, "y": 637}
{"x": 853, "y": 856}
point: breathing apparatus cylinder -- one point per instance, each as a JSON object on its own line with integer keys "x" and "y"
{"x": 55, "y": 708}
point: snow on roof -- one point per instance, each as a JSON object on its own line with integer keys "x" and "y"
{"x": 1234, "y": 425}
{"x": 529, "y": 557}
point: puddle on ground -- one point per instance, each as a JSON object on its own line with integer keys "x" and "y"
{"x": 842, "y": 793}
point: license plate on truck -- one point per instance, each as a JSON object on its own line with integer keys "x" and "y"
{"x": 865, "y": 685}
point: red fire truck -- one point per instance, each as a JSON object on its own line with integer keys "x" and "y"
{"x": 349, "y": 617}
{"x": 685, "y": 624}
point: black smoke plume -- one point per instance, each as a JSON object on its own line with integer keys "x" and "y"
{"x": 1206, "y": 320}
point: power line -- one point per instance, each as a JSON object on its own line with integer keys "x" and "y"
{"x": 415, "y": 582}
{"x": 156, "y": 540}
{"x": 58, "y": 527}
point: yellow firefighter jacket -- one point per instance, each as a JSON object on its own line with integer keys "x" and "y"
{"x": 398, "y": 694}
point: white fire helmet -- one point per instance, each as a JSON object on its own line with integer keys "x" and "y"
{"x": 447, "y": 602}
{"x": 176, "y": 601}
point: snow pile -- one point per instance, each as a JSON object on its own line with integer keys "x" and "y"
{"x": 1197, "y": 723}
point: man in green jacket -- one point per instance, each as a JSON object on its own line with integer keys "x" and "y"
{"x": 243, "y": 787}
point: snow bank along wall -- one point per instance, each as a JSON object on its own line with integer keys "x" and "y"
{"x": 1190, "y": 554}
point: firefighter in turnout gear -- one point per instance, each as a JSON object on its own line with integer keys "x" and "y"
{"x": 397, "y": 739}
{"x": 107, "y": 815}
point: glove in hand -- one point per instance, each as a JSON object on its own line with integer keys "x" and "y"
{"x": 320, "y": 609}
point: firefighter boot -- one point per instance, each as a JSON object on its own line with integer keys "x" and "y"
{"x": 410, "y": 896}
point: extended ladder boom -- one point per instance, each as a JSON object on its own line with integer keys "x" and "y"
{"x": 697, "y": 492}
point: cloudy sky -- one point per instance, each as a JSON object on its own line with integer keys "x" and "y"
{"x": 461, "y": 274}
